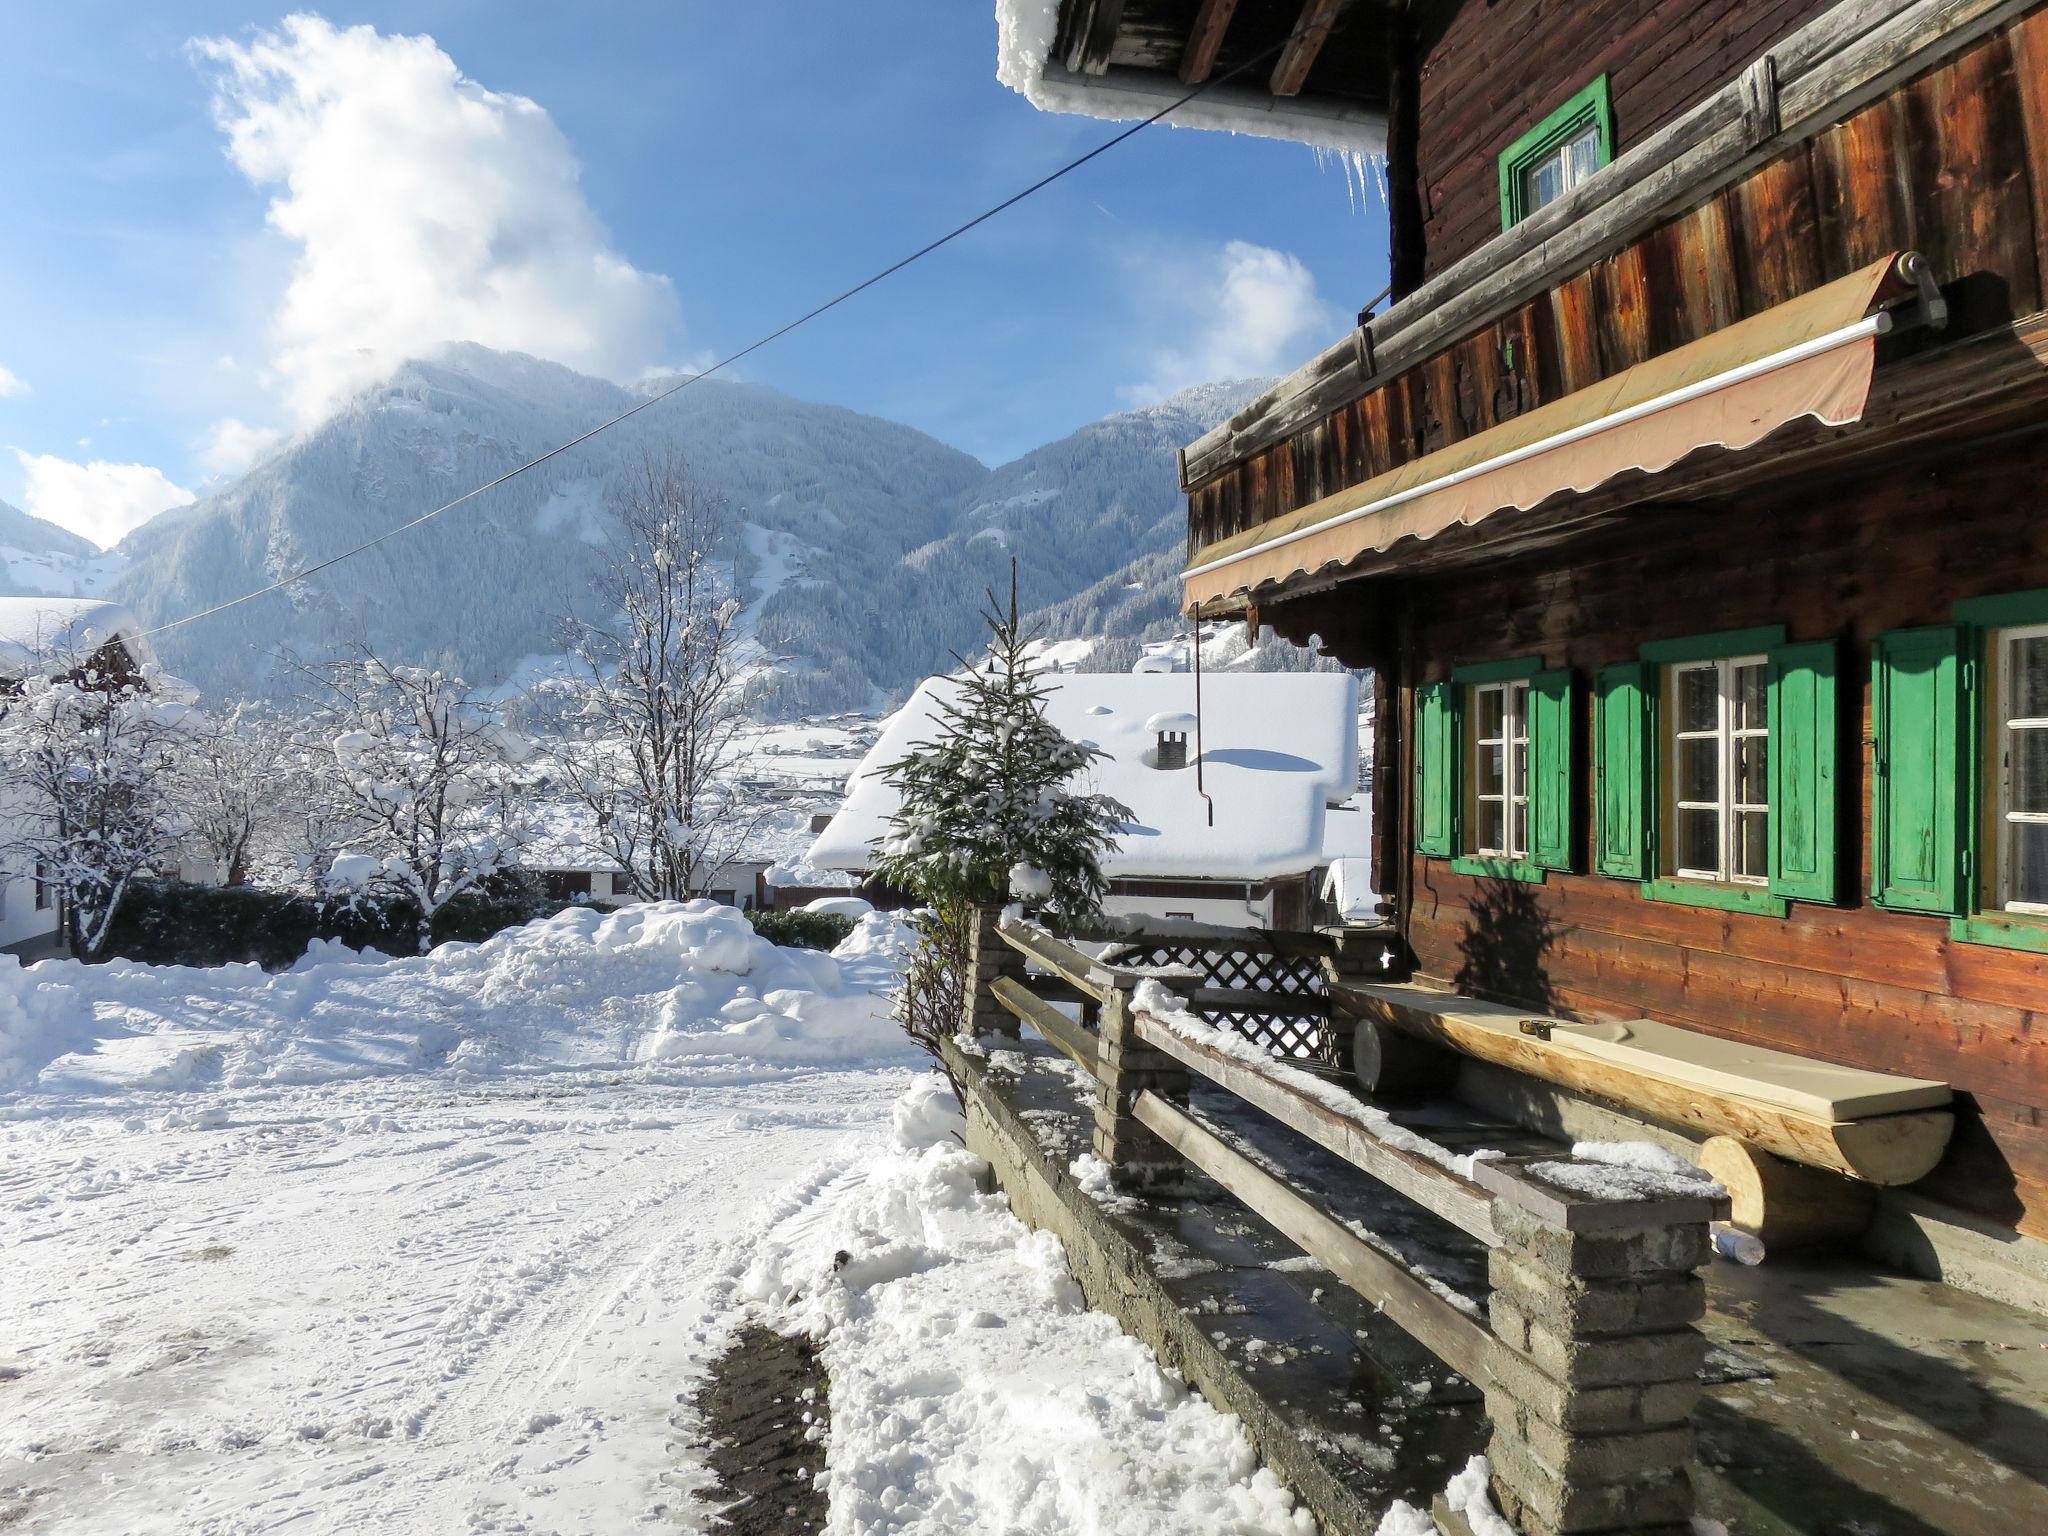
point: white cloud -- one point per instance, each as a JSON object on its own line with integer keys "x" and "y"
{"x": 231, "y": 446}
{"x": 11, "y": 383}
{"x": 100, "y": 501}
{"x": 426, "y": 209}
{"x": 1246, "y": 311}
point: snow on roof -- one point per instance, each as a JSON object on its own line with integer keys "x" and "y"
{"x": 1348, "y": 887}
{"x": 1277, "y": 749}
{"x": 1025, "y": 33}
{"x": 36, "y": 627}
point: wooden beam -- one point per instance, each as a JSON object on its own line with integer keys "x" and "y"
{"x": 1063, "y": 960}
{"x": 1311, "y": 31}
{"x": 1430, "y": 1185}
{"x": 1454, "y": 1337}
{"x": 1046, "y": 1019}
{"x": 1205, "y": 40}
{"x": 1094, "y": 36}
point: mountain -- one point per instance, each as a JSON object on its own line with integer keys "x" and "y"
{"x": 39, "y": 559}
{"x": 864, "y": 546}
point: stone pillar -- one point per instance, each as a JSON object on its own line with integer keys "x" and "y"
{"x": 988, "y": 957}
{"x": 1124, "y": 1068}
{"x": 1595, "y": 1365}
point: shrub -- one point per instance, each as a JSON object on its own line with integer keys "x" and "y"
{"x": 168, "y": 922}
{"x": 802, "y": 930}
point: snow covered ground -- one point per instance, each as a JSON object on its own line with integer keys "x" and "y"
{"x": 440, "y": 1244}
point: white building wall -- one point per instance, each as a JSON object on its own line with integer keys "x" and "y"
{"x": 21, "y": 923}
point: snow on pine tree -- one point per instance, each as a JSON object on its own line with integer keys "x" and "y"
{"x": 90, "y": 751}
{"x": 990, "y": 810}
{"x": 427, "y": 782}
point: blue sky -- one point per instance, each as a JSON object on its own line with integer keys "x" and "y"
{"x": 737, "y": 163}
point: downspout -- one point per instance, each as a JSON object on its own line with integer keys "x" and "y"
{"x": 1195, "y": 634}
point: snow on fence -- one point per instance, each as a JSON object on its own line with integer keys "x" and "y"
{"x": 1586, "y": 1349}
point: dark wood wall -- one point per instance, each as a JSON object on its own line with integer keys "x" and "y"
{"x": 1955, "y": 164}
{"x": 1492, "y": 69}
{"x": 1847, "y": 558}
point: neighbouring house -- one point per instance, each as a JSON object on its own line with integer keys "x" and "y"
{"x": 1239, "y": 834}
{"x": 44, "y": 632}
{"x": 1684, "y": 504}
{"x": 573, "y": 867}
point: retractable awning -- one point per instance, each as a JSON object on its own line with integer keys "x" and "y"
{"x": 1811, "y": 356}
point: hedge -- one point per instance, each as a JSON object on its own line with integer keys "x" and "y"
{"x": 802, "y": 930}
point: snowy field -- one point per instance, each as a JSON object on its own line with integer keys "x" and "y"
{"x": 442, "y": 1244}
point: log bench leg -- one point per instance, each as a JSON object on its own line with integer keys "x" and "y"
{"x": 1391, "y": 1064}
{"x": 1785, "y": 1204}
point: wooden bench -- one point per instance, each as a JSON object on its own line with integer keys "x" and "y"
{"x": 1871, "y": 1126}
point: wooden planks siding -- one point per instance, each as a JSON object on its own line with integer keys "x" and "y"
{"x": 1847, "y": 558}
{"x": 1954, "y": 163}
{"x": 1492, "y": 68}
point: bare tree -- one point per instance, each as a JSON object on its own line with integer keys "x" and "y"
{"x": 89, "y": 753}
{"x": 654, "y": 704}
{"x": 231, "y": 787}
{"x": 427, "y": 781}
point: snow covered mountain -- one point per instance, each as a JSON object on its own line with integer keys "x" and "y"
{"x": 39, "y": 559}
{"x": 864, "y": 544}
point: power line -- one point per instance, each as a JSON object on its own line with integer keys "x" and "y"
{"x": 754, "y": 346}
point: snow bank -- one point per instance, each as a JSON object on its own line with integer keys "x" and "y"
{"x": 972, "y": 1390}
{"x": 684, "y": 983}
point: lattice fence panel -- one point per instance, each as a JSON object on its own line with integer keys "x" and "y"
{"x": 1296, "y": 1027}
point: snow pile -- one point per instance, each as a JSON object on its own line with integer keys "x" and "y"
{"x": 661, "y": 984}
{"x": 1467, "y": 1493}
{"x": 1627, "y": 1170}
{"x": 971, "y": 1388}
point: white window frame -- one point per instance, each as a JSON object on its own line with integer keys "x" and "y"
{"x": 1728, "y": 735}
{"x": 1514, "y": 778}
{"x": 2007, "y": 724}
{"x": 1560, "y": 156}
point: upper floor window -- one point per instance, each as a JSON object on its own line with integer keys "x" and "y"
{"x": 1558, "y": 154}
{"x": 1494, "y": 769}
{"x": 1500, "y": 761}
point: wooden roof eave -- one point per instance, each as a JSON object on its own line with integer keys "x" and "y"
{"x": 1843, "y": 59}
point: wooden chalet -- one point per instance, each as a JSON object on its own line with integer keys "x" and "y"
{"x": 1685, "y": 504}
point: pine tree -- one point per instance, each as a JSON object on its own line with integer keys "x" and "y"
{"x": 989, "y": 810}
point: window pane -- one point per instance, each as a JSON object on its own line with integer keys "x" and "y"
{"x": 1699, "y": 703}
{"x": 1521, "y": 751}
{"x": 1542, "y": 182}
{"x": 1520, "y": 845}
{"x": 1749, "y": 698}
{"x": 1582, "y": 156}
{"x": 1699, "y": 770}
{"x": 1752, "y": 771}
{"x": 1490, "y": 824}
{"x": 1699, "y": 840}
{"x": 1518, "y": 714}
{"x": 1752, "y": 853}
{"x": 2029, "y": 661}
{"x": 2029, "y": 861}
{"x": 1489, "y": 714}
{"x": 1490, "y": 764}
{"x": 2029, "y": 750}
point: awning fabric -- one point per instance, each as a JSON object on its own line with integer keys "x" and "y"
{"x": 1811, "y": 356}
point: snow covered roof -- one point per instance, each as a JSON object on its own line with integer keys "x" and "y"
{"x": 1120, "y": 90}
{"x": 37, "y": 627}
{"x": 1277, "y": 749}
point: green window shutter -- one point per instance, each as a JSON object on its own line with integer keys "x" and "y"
{"x": 1916, "y": 852}
{"x": 1804, "y": 731}
{"x": 1623, "y": 699}
{"x": 1436, "y": 770}
{"x": 1550, "y": 769}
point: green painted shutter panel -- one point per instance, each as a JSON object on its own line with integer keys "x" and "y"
{"x": 1916, "y": 802}
{"x": 1804, "y": 732}
{"x": 1550, "y": 769}
{"x": 1622, "y": 698}
{"x": 1436, "y": 770}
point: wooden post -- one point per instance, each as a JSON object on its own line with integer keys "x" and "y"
{"x": 1124, "y": 1068}
{"x": 1594, "y": 1368}
{"x": 988, "y": 958}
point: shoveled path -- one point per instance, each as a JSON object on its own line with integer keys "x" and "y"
{"x": 764, "y": 1416}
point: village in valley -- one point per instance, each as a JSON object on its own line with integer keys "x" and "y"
{"x": 1114, "y": 766}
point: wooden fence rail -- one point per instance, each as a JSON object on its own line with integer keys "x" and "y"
{"x": 1588, "y": 1355}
